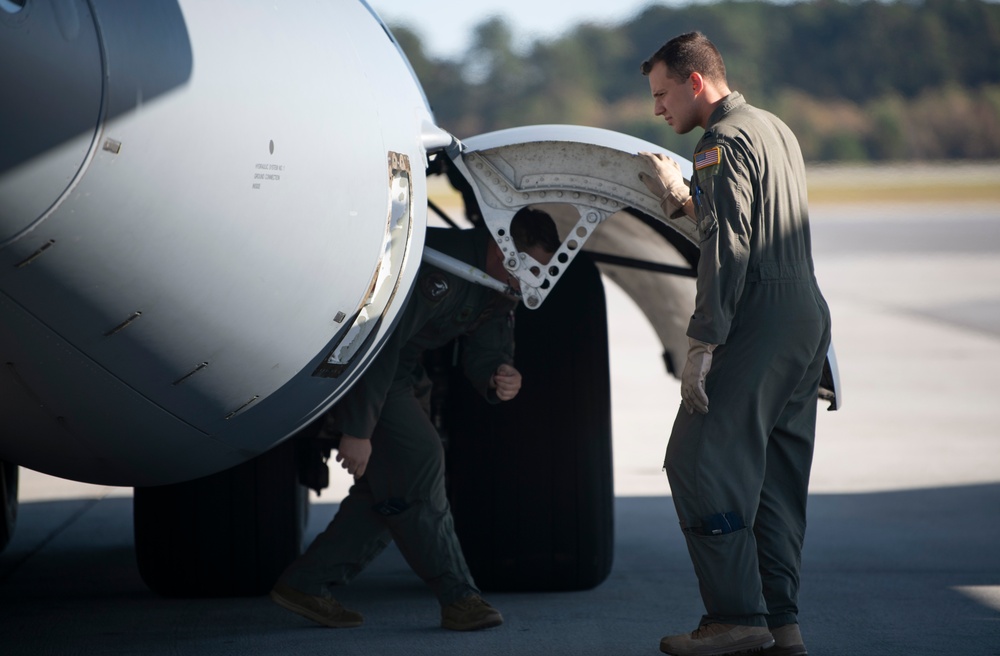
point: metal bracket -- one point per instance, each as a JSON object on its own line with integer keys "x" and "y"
{"x": 500, "y": 198}
{"x": 595, "y": 180}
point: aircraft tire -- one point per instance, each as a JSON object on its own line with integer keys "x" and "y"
{"x": 530, "y": 480}
{"x": 228, "y": 534}
{"x": 8, "y": 502}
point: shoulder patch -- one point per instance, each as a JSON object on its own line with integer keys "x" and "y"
{"x": 706, "y": 158}
{"x": 434, "y": 286}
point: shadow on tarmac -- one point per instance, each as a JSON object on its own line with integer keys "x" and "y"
{"x": 890, "y": 573}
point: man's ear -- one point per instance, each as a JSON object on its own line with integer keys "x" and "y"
{"x": 697, "y": 83}
{"x": 494, "y": 261}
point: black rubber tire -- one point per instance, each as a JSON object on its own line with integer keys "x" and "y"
{"x": 8, "y": 502}
{"x": 530, "y": 480}
{"x": 229, "y": 534}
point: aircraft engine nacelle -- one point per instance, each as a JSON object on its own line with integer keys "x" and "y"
{"x": 210, "y": 216}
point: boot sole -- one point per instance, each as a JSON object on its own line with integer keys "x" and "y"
{"x": 739, "y": 651}
{"x": 288, "y": 604}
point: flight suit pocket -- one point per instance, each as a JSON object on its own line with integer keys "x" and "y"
{"x": 708, "y": 225}
{"x": 726, "y": 569}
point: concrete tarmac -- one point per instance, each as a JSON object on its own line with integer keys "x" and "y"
{"x": 902, "y": 552}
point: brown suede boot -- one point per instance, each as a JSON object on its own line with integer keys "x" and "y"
{"x": 787, "y": 642}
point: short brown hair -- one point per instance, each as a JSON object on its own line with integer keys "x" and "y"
{"x": 686, "y": 54}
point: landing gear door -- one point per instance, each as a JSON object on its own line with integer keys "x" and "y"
{"x": 595, "y": 171}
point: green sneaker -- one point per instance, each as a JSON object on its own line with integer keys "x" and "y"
{"x": 470, "y": 614}
{"x": 326, "y": 611}
{"x": 718, "y": 640}
{"x": 787, "y": 642}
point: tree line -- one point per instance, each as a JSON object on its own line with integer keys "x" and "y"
{"x": 856, "y": 81}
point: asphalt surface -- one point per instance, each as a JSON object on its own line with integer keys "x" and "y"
{"x": 902, "y": 552}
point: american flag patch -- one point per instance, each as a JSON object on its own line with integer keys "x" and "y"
{"x": 706, "y": 158}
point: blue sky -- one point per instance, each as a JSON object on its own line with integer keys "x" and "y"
{"x": 445, "y": 26}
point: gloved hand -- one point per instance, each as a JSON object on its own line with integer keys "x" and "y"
{"x": 699, "y": 361}
{"x": 666, "y": 183}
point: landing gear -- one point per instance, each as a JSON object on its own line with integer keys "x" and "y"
{"x": 530, "y": 480}
{"x": 229, "y": 534}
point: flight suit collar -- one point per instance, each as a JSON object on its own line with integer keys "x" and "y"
{"x": 468, "y": 245}
{"x": 729, "y": 103}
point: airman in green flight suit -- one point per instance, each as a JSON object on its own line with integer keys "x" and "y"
{"x": 741, "y": 448}
{"x": 389, "y": 444}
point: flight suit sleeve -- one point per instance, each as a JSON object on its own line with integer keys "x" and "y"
{"x": 486, "y": 348}
{"x": 723, "y": 204}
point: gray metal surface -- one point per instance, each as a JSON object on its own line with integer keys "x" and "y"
{"x": 192, "y": 210}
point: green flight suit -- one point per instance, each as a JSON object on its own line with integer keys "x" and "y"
{"x": 402, "y": 497}
{"x": 739, "y": 475}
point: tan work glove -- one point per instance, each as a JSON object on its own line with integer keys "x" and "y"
{"x": 666, "y": 182}
{"x": 699, "y": 361}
